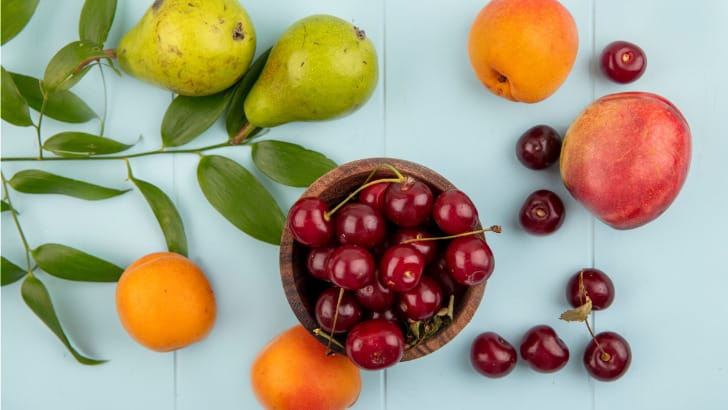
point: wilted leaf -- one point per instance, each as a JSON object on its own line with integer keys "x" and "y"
{"x": 240, "y": 198}
{"x": 81, "y": 144}
{"x": 235, "y": 119}
{"x": 96, "y": 19}
{"x": 14, "y": 106}
{"x": 72, "y": 264}
{"x": 39, "y": 301}
{"x": 61, "y": 105}
{"x": 290, "y": 164}
{"x": 15, "y": 14}
{"x": 579, "y": 313}
{"x": 10, "y": 272}
{"x": 68, "y": 65}
{"x": 188, "y": 117}
{"x": 166, "y": 213}
{"x": 35, "y": 181}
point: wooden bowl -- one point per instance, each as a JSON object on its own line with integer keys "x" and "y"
{"x": 301, "y": 288}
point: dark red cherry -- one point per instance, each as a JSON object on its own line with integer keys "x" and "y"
{"x": 596, "y": 284}
{"x": 309, "y": 222}
{"x": 360, "y": 224}
{"x": 351, "y": 267}
{"x": 440, "y": 271}
{"x": 422, "y": 301}
{"x": 427, "y": 248}
{"x": 492, "y": 356}
{"x": 401, "y": 267}
{"x": 408, "y": 203}
{"x": 542, "y": 213}
{"x": 373, "y": 195}
{"x": 375, "y": 296}
{"x": 539, "y": 147}
{"x": 623, "y": 62}
{"x": 454, "y": 212}
{"x": 608, "y": 356}
{"x": 470, "y": 260}
{"x": 543, "y": 350}
{"x": 317, "y": 262}
{"x": 389, "y": 313}
{"x": 375, "y": 344}
{"x": 350, "y": 312}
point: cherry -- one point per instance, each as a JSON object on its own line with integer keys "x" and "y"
{"x": 375, "y": 296}
{"x": 623, "y": 62}
{"x": 440, "y": 271}
{"x": 388, "y": 314}
{"x": 373, "y": 195}
{"x": 422, "y": 301}
{"x": 401, "y": 267}
{"x": 309, "y": 222}
{"x": 316, "y": 262}
{"x": 542, "y": 213}
{"x": 470, "y": 260}
{"x": 492, "y": 356}
{"x": 539, "y": 147}
{"x": 592, "y": 283}
{"x": 351, "y": 267}
{"x": 607, "y": 356}
{"x": 375, "y": 344}
{"x": 428, "y": 249}
{"x": 543, "y": 350}
{"x": 350, "y": 312}
{"x": 454, "y": 212}
{"x": 360, "y": 224}
{"x": 408, "y": 203}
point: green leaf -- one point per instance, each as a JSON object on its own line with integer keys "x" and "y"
{"x": 10, "y": 272}
{"x": 39, "y": 301}
{"x": 188, "y": 117}
{"x": 96, "y": 19}
{"x": 70, "y": 64}
{"x": 81, "y": 144}
{"x": 5, "y": 206}
{"x": 240, "y": 198}
{"x": 14, "y": 106}
{"x": 169, "y": 219}
{"x": 15, "y": 14}
{"x": 61, "y": 105}
{"x": 235, "y": 119}
{"x": 35, "y": 181}
{"x": 69, "y": 263}
{"x": 290, "y": 164}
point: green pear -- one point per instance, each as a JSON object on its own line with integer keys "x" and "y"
{"x": 192, "y": 47}
{"x": 321, "y": 67}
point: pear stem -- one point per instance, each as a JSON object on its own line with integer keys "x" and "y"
{"x": 243, "y": 134}
{"x": 109, "y": 53}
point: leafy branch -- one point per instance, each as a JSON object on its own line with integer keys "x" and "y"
{"x": 229, "y": 187}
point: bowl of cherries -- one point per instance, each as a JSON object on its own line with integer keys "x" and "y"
{"x": 384, "y": 260}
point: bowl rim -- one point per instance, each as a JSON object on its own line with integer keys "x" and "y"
{"x": 468, "y": 304}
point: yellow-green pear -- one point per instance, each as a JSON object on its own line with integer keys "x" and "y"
{"x": 320, "y": 68}
{"x": 192, "y": 47}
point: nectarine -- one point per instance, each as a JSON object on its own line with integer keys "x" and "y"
{"x": 626, "y": 157}
{"x": 523, "y": 50}
{"x": 294, "y": 371}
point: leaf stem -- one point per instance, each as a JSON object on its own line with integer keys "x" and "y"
{"x": 40, "y": 122}
{"x": 16, "y": 221}
{"x": 102, "y": 122}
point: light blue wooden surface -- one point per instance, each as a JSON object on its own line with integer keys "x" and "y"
{"x": 670, "y": 275}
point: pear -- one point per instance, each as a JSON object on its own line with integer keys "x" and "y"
{"x": 321, "y": 67}
{"x": 192, "y": 47}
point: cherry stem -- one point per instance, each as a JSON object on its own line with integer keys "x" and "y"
{"x": 367, "y": 183}
{"x": 493, "y": 228}
{"x": 321, "y": 333}
{"x": 333, "y": 325}
{"x": 604, "y": 356}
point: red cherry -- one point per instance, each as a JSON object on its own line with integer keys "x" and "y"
{"x": 608, "y": 356}
{"x": 470, "y": 260}
{"x": 542, "y": 213}
{"x": 543, "y": 350}
{"x": 428, "y": 249}
{"x": 401, "y": 267}
{"x": 375, "y": 344}
{"x": 309, "y": 222}
{"x": 360, "y": 224}
{"x": 623, "y": 62}
{"x": 596, "y": 284}
{"x": 492, "y": 356}
{"x": 316, "y": 262}
{"x": 375, "y": 296}
{"x": 422, "y": 301}
{"x": 350, "y": 312}
{"x": 373, "y": 195}
{"x": 408, "y": 203}
{"x": 351, "y": 267}
{"x": 539, "y": 147}
{"x": 454, "y": 212}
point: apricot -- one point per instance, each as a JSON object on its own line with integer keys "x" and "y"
{"x": 523, "y": 50}
{"x": 165, "y": 302}
{"x": 294, "y": 371}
